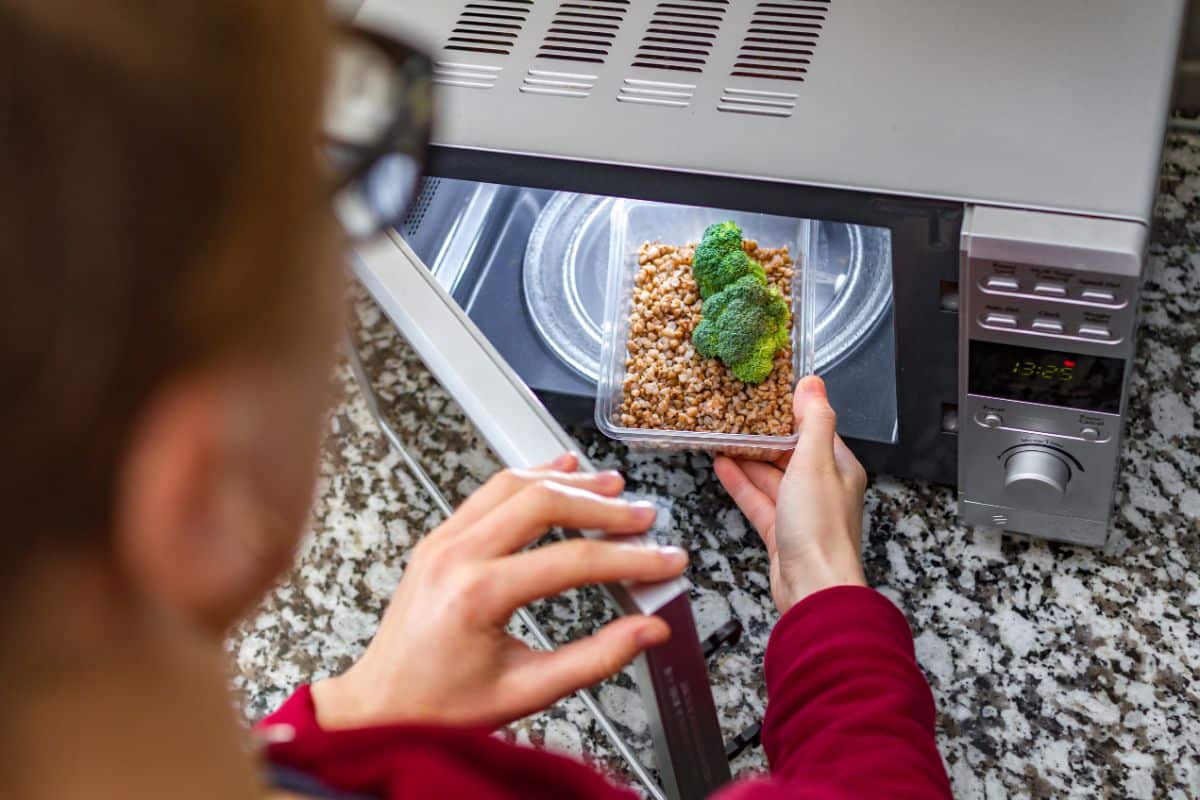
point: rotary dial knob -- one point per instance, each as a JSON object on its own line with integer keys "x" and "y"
{"x": 1035, "y": 475}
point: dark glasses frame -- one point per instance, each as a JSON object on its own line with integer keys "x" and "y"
{"x": 381, "y": 176}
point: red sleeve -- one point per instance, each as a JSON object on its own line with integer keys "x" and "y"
{"x": 409, "y": 761}
{"x": 849, "y": 714}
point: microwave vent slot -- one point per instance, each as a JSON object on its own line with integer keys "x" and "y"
{"x": 420, "y": 206}
{"x": 681, "y": 35}
{"x": 489, "y": 26}
{"x": 583, "y": 30}
{"x": 759, "y": 103}
{"x": 562, "y": 84}
{"x": 467, "y": 76}
{"x": 657, "y": 93}
{"x": 781, "y": 39}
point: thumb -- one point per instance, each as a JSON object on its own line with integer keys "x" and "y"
{"x": 817, "y": 423}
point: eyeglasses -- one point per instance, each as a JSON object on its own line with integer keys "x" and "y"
{"x": 378, "y": 114}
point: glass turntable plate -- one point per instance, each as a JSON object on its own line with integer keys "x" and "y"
{"x": 566, "y": 263}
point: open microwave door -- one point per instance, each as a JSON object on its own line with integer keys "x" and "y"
{"x": 672, "y": 679}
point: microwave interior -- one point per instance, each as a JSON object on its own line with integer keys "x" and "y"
{"x": 529, "y": 267}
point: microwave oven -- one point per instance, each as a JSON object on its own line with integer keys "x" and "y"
{"x": 981, "y": 177}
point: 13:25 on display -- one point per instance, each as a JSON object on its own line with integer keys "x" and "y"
{"x": 1049, "y": 377}
{"x": 1049, "y": 372}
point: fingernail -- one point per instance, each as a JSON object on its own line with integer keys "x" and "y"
{"x": 648, "y": 636}
{"x": 610, "y": 476}
{"x": 811, "y": 384}
{"x": 645, "y": 510}
{"x": 675, "y": 556}
{"x": 564, "y": 461}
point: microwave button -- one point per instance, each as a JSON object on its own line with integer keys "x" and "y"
{"x": 1095, "y": 331}
{"x": 1050, "y": 288}
{"x": 1098, "y": 296}
{"x": 991, "y": 420}
{"x": 1089, "y": 433}
{"x": 1047, "y": 326}
{"x": 994, "y": 319}
{"x": 1002, "y": 283}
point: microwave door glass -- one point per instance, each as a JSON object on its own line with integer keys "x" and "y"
{"x": 530, "y": 266}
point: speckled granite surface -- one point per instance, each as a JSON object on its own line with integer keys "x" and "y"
{"x": 1057, "y": 671}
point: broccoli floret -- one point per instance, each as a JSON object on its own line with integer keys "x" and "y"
{"x": 724, "y": 236}
{"x": 758, "y": 366}
{"x": 744, "y": 325}
{"x": 743, "y": 321}
{"x": 704, "y": 337}
{"x": 710, "y": 267}
{"x": 734, "y": 266}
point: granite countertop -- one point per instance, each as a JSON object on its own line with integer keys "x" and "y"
{"x": 1057, "y": 670}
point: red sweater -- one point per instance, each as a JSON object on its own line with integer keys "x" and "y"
{"x": 849, "y": 716}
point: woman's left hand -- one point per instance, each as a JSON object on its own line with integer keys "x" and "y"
{"x": 442, "y": 654}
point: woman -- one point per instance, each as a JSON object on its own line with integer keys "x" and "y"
{"x": 170, "y": 311}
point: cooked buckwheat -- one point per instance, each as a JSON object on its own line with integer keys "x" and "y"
{"x": 667, "y": 384}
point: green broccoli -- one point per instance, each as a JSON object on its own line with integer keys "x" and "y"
{"x": 744, "y": 325}
{"x": 719, "y": 259}
{"x": 743, "y": 321}
{"x": 736, "y": 265}
{"x": 704, "y": 337}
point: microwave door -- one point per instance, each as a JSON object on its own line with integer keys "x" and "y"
{"x": 672, "y": 679}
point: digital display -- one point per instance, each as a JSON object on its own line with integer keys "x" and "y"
{"x": 1050, "y": 377}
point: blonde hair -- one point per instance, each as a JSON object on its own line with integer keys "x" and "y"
{"x": 158, "y": 166}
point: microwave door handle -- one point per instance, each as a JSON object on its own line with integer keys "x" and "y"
{"x": 673, "y": 679}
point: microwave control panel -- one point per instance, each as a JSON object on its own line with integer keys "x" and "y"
{"x": 1046, "y": 344}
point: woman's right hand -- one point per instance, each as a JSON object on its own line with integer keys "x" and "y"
{"x": 442, "y": 654}
{"x": 807, "y": 506}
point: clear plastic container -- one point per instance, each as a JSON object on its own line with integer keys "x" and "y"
{"x": 635, "y": 222}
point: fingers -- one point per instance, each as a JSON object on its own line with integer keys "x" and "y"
{"x": 507, "y": 483}
{"x": 764, "y": 476}
{"x": 817, "y": 423}
{"x": 544, "y": 504}
{"x": 753, "y": 501}
{"x": 587, "y": 661}
{"x": 566, "y": 462}
{"x": 557, "y": 567}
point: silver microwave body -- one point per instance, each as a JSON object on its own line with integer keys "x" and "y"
{"x": 1010, "y": 150}
{"x": 1041, "y": 123}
